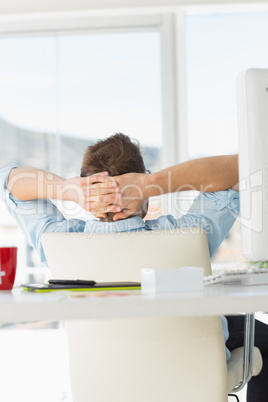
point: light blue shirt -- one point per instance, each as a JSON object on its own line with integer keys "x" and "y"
{"x": 214, "y": 212}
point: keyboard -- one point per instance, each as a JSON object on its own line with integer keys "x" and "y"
{"x": 246, "y": 277}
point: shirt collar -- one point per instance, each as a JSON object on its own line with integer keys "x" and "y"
{"x": 125, "y": 225}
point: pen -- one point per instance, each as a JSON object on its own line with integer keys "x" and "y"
{"x": 71, "y": 282}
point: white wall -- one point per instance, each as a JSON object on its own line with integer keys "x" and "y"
{"x": 33, "y": 6}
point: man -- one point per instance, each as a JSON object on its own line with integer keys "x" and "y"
{"x": 27, "y": 191}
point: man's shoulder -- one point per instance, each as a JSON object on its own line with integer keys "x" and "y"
{"x": 217, "y": 200}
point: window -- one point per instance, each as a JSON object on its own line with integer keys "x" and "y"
{"x": 218, "y": 47}
{"x": 60, "y": 93}
{"x": 109, "y": 83}
{"x": 28, "y": 102}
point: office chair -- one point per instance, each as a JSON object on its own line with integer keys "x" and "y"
{"x": 147, "y": 360}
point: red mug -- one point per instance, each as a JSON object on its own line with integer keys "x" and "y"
{"x": 8, "y": 266}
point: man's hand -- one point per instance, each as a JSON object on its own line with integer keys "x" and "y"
{"x": 98, "y": 194}
{"x": 134, "y": 188}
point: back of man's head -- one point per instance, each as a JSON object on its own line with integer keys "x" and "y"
{"x": 117, "y": 155}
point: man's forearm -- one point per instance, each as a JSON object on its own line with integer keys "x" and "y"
{"x": 206, "y": 174}
{"x": 30, "y": 184}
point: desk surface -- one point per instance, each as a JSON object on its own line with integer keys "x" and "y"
{"x": 21, "y": 306}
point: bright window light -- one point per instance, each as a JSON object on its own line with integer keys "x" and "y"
{"x": 218, "y": 47}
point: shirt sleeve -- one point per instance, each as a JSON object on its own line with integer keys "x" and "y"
{"x": 215, "y": 213}
{"x": 36, "y": 217}
{"x": 4, "y": 174}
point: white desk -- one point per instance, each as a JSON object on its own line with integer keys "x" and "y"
{"x": 21, "y": 306}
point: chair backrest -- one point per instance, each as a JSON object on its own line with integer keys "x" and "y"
{"x": 120, "y": 256}
{"x": 139, "y": 359}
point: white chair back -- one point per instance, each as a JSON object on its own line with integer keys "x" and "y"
{"x": 139, "y": 360}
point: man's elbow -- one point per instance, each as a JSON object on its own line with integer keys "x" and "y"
{"x": 235, "y": 187}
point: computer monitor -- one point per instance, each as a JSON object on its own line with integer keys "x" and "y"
{"x": 252, "y": 102}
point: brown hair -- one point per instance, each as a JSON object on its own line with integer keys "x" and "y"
{"x": 116, "y": 154}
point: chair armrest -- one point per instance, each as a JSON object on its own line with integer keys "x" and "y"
{"x": 235, "y": 366}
